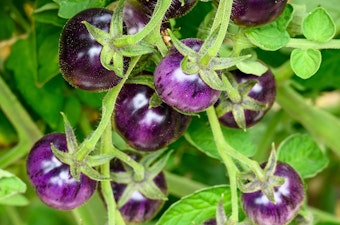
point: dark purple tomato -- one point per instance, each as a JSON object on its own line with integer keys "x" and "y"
{"x": 52, "y": 179}
{"x": 135, "y": 17}
{"x": 211, "y": 221}
{"x": 79, "y": 53}
{"x": 138, "y": 208}
{"x": 289, "y": 199}
{"x": 263, "y": 91}
{"x": 185, "y": 92}
{"x": 256, "y": 12}
{"x": 176, "y": 9}
{"x": 143, "y": 127}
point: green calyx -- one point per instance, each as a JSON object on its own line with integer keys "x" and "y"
{"x": 153, "y": 164}
{"x": 112, "y": 56}
{"x": 249, "y": 183}
{"x": 203, "y": 63}
{"x": 235, "y": 99}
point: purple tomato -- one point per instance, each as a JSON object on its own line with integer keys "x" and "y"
{"x": 185, "y": 92}
{"x": 264, "y": 91}
{"x": 256, "y": 12}
{"x": 177, "y": 8}
{"x": 289, "y": 198}
{"x": 52, "y": 179}
{"x": 146, "y": 128}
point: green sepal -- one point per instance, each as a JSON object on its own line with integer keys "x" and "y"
{"x": 99, "y": 35}
{"x": 238, "y": 114}
{"x": 97, "y": 160}
{"x": 146, "y": 80}
{"x": 158, "y": 166}
{"x": 181, "y": 47}
{"x": 151, "y": 191}
{"x": 221, "y": 217}
{"x": 155, "y": 100}
{"x": 116, "y": 25}
{"x": 127, "y": 193}
{"x": 189, "y": 67}
{"x": 219, "y": 63}
{"x": 93, "y": 174}
{"x": 212, "y": 79}
{"x": 141, "y": 48}
{"x": 64, "y": 157}
{"x": 72, "y": 143}
{"x": 121, "y": 177}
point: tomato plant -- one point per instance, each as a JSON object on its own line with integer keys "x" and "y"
{"x": 124, "y": 111}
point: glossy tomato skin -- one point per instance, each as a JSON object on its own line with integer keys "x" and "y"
{"x": 146, "y": 128}
{"x": 79, "y": 53}
{"x": 289, "y": 198}
{"x": 135, "y": 17}
{"x": 187, "y": 93}
{"x": 139, "y": 208}
{"x": 176, "y": 9}
{"x": 51, "y": 178}
{"x": 264, "y": 91}
{"x": 252, "y": 13}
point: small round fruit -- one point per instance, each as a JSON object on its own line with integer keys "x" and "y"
{"x": 252, "y": 13}
{"x": 289, "y": 198}
{"x": 264, "y": 91}
{"x": 185, "y": 92}
{"x": 135, "y": 17}
{"x": 177, "y": 8}
{"x": 52, "y": 179}
{"x": 79, "y": 52}
{"x": 146, "y": 128}
{"x": 138, "y": 208}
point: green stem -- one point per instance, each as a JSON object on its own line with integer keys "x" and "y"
{"x": 222, "y": 19}
{"x": 157, "y": 17}
{"x": 106, "y": 185}
{"x": 305, "y": 44}
{"x": 108, "y": 105}
{"x": 220, "y": 141}
{"x": 82, "y": 215}
{"x": 14, "y": 216}
{"x": 28, "y": 132}
{"x": 228, "y": 162}
{"x": 321, "y": 124}
{"x": 137, "y": 168}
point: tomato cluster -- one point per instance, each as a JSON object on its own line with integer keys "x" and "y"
{"x": 146, "y": 126}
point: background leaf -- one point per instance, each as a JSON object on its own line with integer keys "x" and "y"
{"x": 69, "y": 8}
{"x": 198, "y": 207}
{"x": 199, "y": 134}
{"x": 305, "y": 62}
{"x": 302, "y": 153}
{"x": 318, "y": 26}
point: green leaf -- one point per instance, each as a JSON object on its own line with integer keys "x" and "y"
{"x": 39, "y": 98}
{"x": 268, "y": 37}
{"x": 199, "y": 135}
{"x": 318, "y": 26}
{"x": 198, "y": 207}
{"x": 7, "y": 25}
{"x": 252, "y": 67}
{"x": 302, "y": 153}
{"x": 68, "y": 8}
{"x": 10, "y": 185}
{"x": 273, "y": 36}
{"x": 47, "y": 52}
{"x": 15, "y": 200}
{"x": 305, "y": 62}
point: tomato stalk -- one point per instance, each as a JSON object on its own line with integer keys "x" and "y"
{"x": 308, "y": 44}
{"x": 27, "y": 131}
{"x": 321, "y": 124}
{"x": 156, "y": 18}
